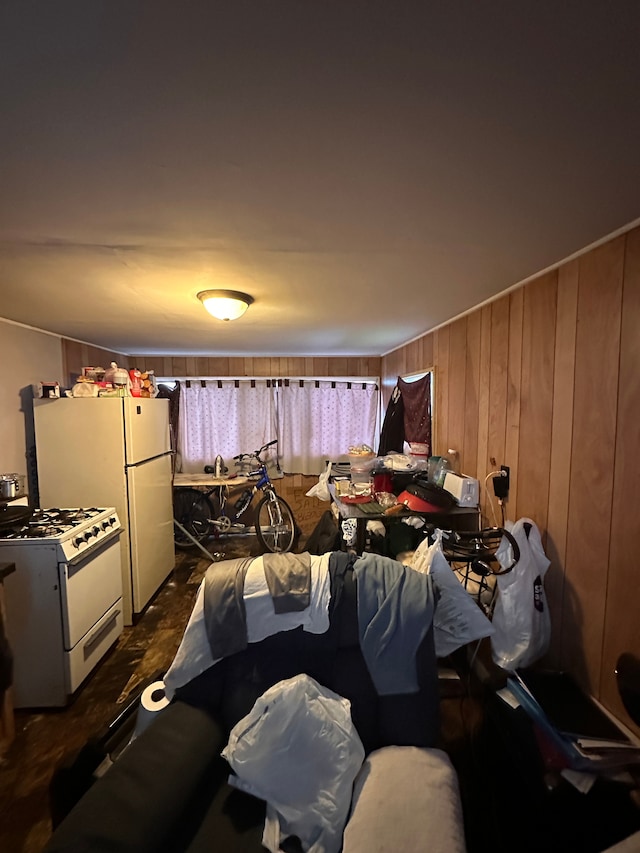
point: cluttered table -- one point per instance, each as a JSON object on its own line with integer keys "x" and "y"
{"x": 458, "y": 518}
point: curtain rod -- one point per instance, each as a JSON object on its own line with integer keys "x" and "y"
{"x": 375, "y": 379}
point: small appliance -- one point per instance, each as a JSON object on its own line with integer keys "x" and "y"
{"x": 464, "y": 489}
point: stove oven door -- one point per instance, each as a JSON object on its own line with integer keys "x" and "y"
{"x": 91, "y": 595}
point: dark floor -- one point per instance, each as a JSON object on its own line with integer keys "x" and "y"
{"x": 43, "y": 737}
{"x": 506, "y": 805}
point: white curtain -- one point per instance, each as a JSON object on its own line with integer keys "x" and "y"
{"x": 224, "y": 417}
{"x": 313, "y": 420}
{"x": 319, "y": 420}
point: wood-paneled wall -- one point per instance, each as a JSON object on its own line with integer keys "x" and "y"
{"x": 269, "y": 366}
{"x": 546, "y": 380}
{"x": 75, "y": 356}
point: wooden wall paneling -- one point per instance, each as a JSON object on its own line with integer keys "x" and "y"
{"x": 191, "y": 366}
{"x": 622, "y": 624}
{"x": 482, "y": 461}
{"x": 538, "y": 351}
{"x": 457, "y": 385}
{"x": 164, "y": 366}
{"x": 469, "y": 457}
{"x": 72, "y": 361}
{"x": 178, "y": 366}
{"x": 320, "y": 367}
{"x": 76, "y": 355}
{"x": 592, "y": 460}
{"x": 441, "y": 379}
{"x": 561, "y": 434}
{"x": 426, "y": 356}
{"x": 412, "y": 356}
{"x": 295, "y": 367}
{"x": 497, "y": 398}
{"x": 514, "y": 393}
{"x": 201, "y": 366}
{"x": 389, "y": 375}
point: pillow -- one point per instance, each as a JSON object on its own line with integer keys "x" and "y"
{"x": 405, "y": 798}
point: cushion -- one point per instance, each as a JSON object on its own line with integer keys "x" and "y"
{"x": 405, "y": 798}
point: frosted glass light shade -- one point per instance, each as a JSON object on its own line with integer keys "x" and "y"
{"x": 225, "y": 304}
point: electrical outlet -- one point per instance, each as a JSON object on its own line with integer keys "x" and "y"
{"x": 501, "y": 483}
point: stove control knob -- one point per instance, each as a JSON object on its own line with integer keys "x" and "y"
{"x": 95, "y": 530}
{"x": 88, "y": 535}
{"x": 77, "y": 542}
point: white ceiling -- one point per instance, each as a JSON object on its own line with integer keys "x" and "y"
{"x": 366, "y": 170}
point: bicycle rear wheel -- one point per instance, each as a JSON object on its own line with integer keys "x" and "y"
{"x": 194, "y": 512}
{"x": 275, "y": 524}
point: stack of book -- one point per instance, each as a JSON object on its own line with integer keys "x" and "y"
{"x": 576, "y": 729}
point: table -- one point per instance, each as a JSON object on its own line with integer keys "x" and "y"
{"x": 458, "y": 518}
{"x": 195, "y": 480}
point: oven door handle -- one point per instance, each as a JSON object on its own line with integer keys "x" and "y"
{"x": 104, "y": 629}
{"x": 92, "y": 549}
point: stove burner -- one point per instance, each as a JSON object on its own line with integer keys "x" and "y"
{"x": 44, "y": 530}
{"x": 65, "y": 516}
{"x": 50, "y": 523}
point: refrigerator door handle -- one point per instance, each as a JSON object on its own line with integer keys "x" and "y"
{"x": 150, "y": 459}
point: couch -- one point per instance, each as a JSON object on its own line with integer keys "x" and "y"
{"x": 168, "y": 790}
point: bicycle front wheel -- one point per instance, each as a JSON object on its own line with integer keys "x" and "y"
{"x": 193, "y": 511}
{"x": 275, "y": 524}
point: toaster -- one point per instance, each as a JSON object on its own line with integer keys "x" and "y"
{"x": 464, "y": 489}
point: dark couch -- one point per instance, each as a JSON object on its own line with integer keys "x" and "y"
{"x": 168, "y": 790}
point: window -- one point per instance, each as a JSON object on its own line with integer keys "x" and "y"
{"x": 313, "y": 419}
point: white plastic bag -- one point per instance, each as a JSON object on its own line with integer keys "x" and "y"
{"x": 521, "y": 615}
{"x": 321, "y": 488}
{"x": 298, "y": 750}
{"x": 457, "y": 619}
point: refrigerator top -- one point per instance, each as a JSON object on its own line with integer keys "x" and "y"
{"x": 125, "y": 429}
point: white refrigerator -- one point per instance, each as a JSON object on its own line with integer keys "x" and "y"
{"x": 113, "y": 451}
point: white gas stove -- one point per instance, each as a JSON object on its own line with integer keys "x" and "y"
{"x": 64, "y": 601}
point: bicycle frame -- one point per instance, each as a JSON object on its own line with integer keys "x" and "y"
{"x": 264, "y": 484}
{"x": 201, "y": 515}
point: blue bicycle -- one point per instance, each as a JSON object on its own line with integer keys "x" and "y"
{"x": 203, "y": 514}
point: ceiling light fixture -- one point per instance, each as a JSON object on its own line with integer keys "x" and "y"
{"x": 225, "y": 304}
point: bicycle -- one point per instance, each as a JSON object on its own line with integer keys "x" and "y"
{"x": 202, "y": 514}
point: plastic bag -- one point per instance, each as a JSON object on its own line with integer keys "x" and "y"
{"x": 321, "y": 488}
{"x": 521, "y": 616}
{"x": 457, "y": 619}
{"x": 298, "y": 750}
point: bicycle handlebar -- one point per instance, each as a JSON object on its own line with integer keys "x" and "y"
{"x": 256, "y": 453}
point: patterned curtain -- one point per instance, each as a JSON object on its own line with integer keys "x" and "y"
{"x": 225, "y": 417}
{"x": 313, "y": 420}
{"x": 320, "y": 420}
